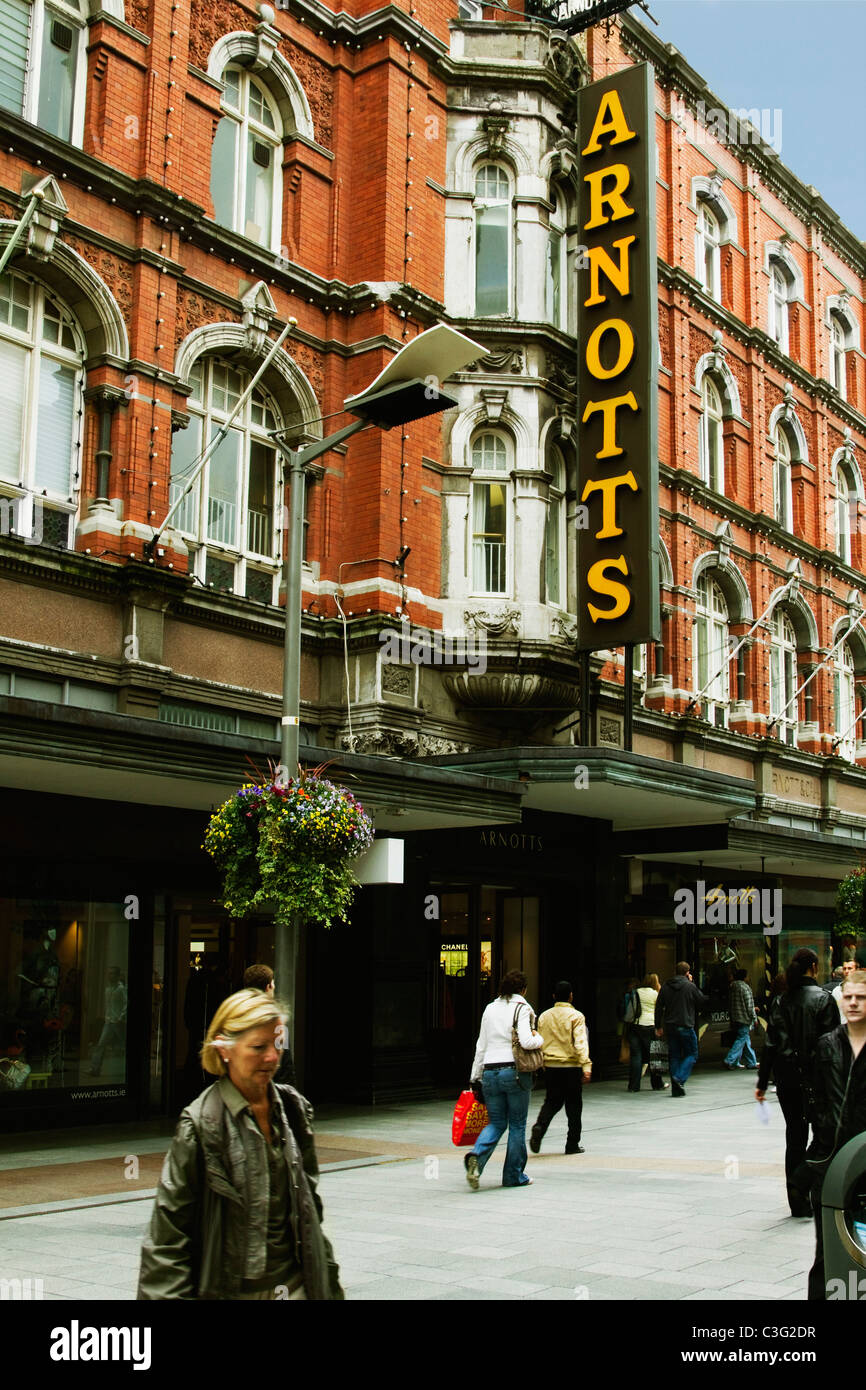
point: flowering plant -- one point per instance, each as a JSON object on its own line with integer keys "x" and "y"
{"x": 849, "y": 903}
{"x": 292, "y": 844}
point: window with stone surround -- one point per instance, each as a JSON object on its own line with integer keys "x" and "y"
{"x": 41, "y": 407}
{"x": 707, "y": 255}
{"x": 711, "y": 647}
{"x": 845, "y": 702}
{"x": 710, "y": 439}
{"x": 492, "y": 242}
{"x": 490, "y": 506}
{"x": 783, "y": 675}
{"x": 246, "y": 160}
{"x": 229, "y": 517}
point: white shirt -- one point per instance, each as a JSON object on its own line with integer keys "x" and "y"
{"x": 494, "y": 1039}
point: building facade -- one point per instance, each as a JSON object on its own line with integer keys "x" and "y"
{"x": 195, "y": 177}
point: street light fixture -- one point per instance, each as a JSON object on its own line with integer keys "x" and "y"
{"x": 409, "y": 388}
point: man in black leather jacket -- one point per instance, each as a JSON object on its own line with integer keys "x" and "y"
{"x": 839, "y": 1104}
{"x": 797, "y": 1020}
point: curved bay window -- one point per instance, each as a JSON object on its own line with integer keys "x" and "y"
{"x": 42, "y": 369}
{"x": 783, "y": 676}
{"x": 710, "y": 441}
{"x": 711, "y": 650}
{"x": 845, "y": 703}
{"x": 229, "y": 514}
{"x": 489, "y": 515}
{"x": 492, "y": 241}
{"x": 246, "y": 160}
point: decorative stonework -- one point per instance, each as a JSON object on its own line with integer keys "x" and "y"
{"x": 699, "y": 343}
{"x": 138, "y": 14}
{"x": 318, "y": 86}
{"x": 664, "y": 336}
{"x": 387, "y": 743}
{"x": 310, "y": 363}
{"x": 209, "y": 21}
{"x": 193, "y": 311}
{"x": 397, "y": 680}
{"x": 609, "y": 731}
{"x": 511, "y": 690}
{"x": 504, "y": 360}
{"x": 432, "y": 747}
{"x": 496, "y": 624}
{"x": 559, "y": 375}
{"x": 116, "y": 274}
{"x": 564, "y": 629}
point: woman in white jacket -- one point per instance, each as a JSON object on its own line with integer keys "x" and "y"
{"x": 506, "y": 1091}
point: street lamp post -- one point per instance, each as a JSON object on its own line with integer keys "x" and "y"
{"x": 408, "y": 389}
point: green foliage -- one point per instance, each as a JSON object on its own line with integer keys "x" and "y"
{"x": 849, "y": 903}
{"x": 290, "y": 845}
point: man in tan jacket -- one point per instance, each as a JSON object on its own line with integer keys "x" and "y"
{"x": 567, "y": 1067}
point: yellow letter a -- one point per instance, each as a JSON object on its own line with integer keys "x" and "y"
{"x": 609, "y": 117}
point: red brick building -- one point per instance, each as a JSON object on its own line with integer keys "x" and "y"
{"x": 209, "y": 172}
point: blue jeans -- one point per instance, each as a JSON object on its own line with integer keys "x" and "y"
{"x": 742, "y": 1046}
{"x": 506, "y": 1095}
{"x": 682, "y": 1053}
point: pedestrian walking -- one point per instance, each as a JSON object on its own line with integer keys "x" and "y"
{"x": 679, "y": 1000}
{"x": 567, "y": 1067}
{"x": 641, "y": 1034}
{"x": 506, "y": 1090}
{"x": 741, "y": 1011}
{"x": 262, "y": 977}
{"x": 839, "y": 1107}
{"x": 798, "y": 1018}
{"x": 237, "y": 1214}
{"x": 845, "y": 969}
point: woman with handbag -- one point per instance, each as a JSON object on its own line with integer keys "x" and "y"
{"x": 641, "y": 1035}
{"x": 508, "y": 1046}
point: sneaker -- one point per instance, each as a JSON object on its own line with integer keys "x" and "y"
{"x": 535, "y": 1141}
{"x": 677, "y": 1089}
{"x": 470, "y": 1163}
{"x": 579, "y": 1150}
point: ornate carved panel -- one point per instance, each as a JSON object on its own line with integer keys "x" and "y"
{"x": 699, "y": 343}
{"x": 116, "y": 274}
{"x": 397, "y": 680}
{"x": 138, "y": 14}
{"x": 193, "y": 311}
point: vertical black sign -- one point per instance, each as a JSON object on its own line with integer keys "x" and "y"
{"x": 617, "y": 373}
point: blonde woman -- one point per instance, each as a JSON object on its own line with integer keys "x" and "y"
{"x": 641, "y": 1034}
{"x": 237, "y": 1215}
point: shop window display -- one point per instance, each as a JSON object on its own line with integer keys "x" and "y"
{"x": 63, "y": 995}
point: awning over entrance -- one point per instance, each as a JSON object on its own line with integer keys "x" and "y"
{"x": 627, "y": 789}
{"x": 750, "y": 847}
{"x": 75, "y": 752}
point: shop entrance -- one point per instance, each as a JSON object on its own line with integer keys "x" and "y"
{"x": 483, "y": 931}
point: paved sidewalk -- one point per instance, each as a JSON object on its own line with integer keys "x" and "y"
{"x": 673, "y": 1199}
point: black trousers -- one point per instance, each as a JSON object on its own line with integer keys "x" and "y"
{"x": 564, "y": 1088}
{"x": 798, "y": 1175}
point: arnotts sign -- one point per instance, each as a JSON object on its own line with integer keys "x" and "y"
{"x": 618, "y": 594}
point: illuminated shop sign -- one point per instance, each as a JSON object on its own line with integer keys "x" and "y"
{"x": 618, "y": 596}
{"x": 575, "y": 15}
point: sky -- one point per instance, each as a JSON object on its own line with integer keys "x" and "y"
{"x": 802, "y": 58}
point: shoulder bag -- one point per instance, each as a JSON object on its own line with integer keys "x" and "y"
{"x": 525, "y": 1060}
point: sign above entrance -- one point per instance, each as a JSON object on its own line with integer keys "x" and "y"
{"x": 617, "y": 374}
{"x": 573, "y": 16}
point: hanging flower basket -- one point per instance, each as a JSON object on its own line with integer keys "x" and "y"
{"x": 849, "y": 903}
{"x": 291, "y": 846}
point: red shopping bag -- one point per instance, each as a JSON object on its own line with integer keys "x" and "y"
{"x": 470, "y": 1117}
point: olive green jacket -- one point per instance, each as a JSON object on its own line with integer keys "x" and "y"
{"x": 208, "y": 1231}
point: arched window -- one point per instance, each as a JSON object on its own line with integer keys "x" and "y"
{"x": 492, "y": 241}
{"x": 711, "y": 649}
{"x": 838, "y": 345}
{"x": 554, "y": 538}
{"x": 229, "y": 516}
{"x": 43, "y": 65}
{"x": 845, "y": 703}
{"x": 42, "y": 371}
{"x": 783, "y": 675}
{"x": 708, "y": 240}
{"x": 490, "y": 495}
{"x": 711, "y": 450}
{"x": 246, "y": 174}
{"x": 557, "y": 283}
{"x": 780, "y": 293}
{"x": 782, "y": 497}
{"x": 842, "y": 514}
